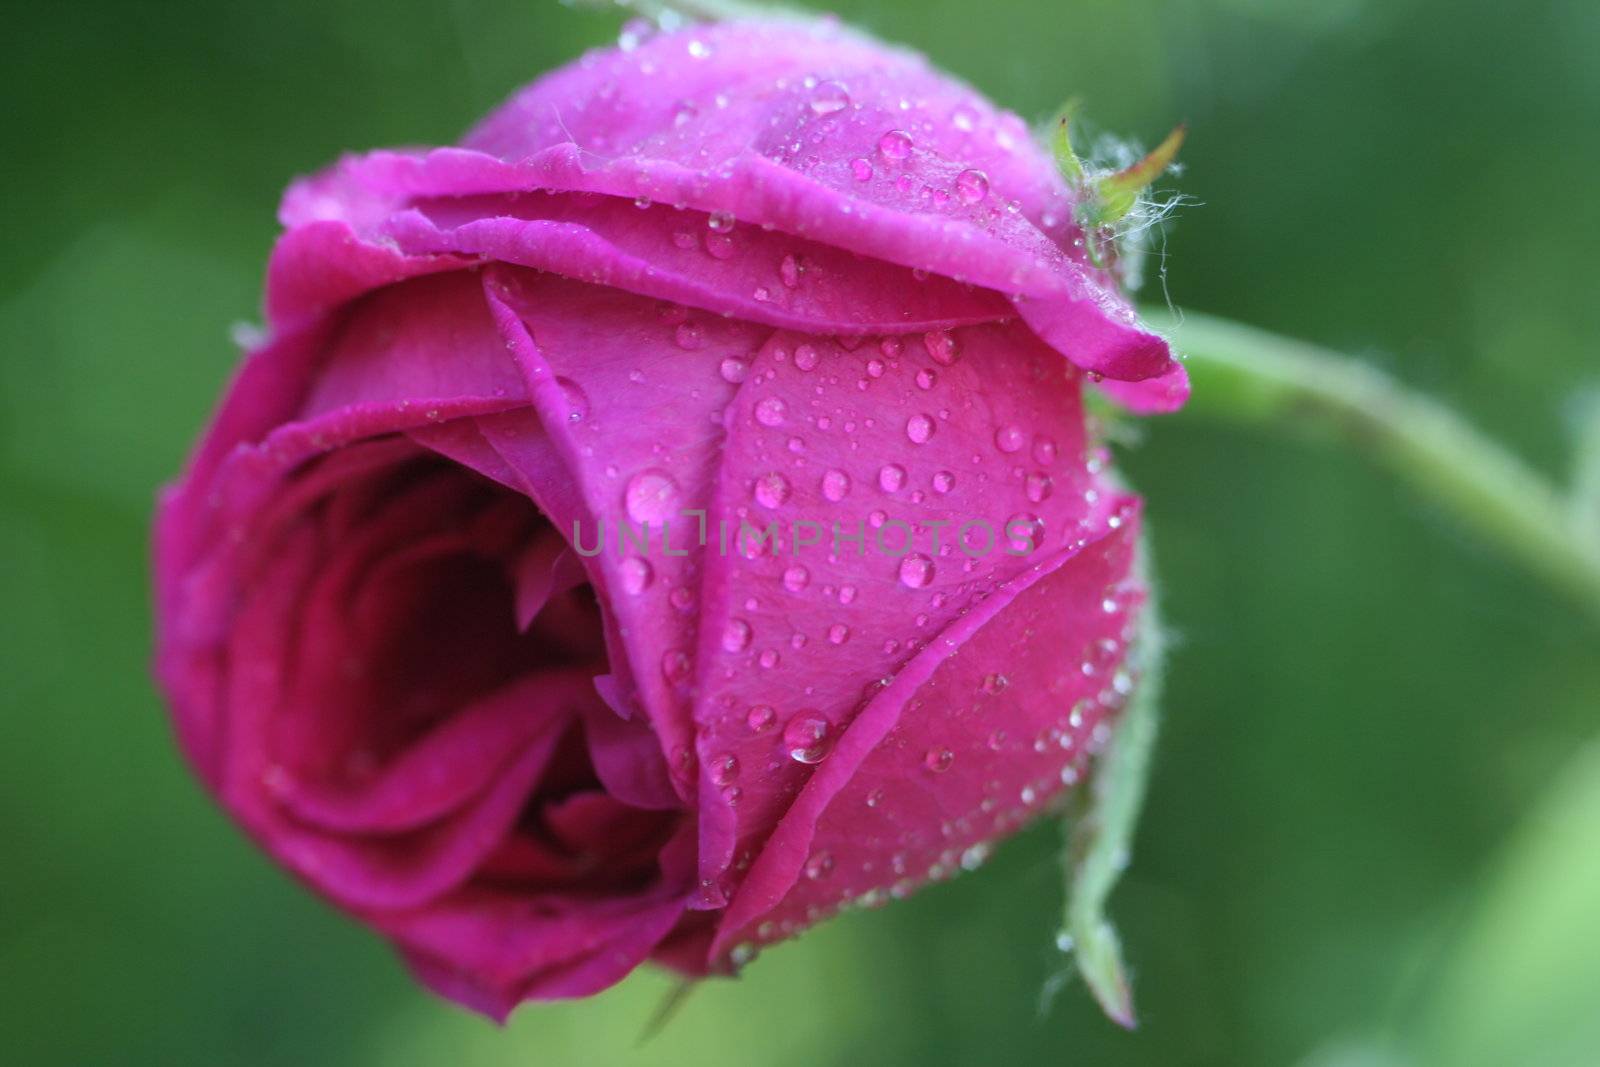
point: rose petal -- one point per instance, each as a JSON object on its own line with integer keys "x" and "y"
{"x": 994, "y": 439}
{"x": 967, "y": 744}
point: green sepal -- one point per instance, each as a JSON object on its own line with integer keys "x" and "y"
{"x": 1102, "y": 822}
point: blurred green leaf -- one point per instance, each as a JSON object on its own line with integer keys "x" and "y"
{"x": 1524, "y": 985}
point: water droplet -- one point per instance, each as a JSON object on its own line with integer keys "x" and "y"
{"x": 719, "y": 245}
{"x": 771, "y": 490}
{"x": 891, "y": 347}
{"x": 997, "y": 740}
{"x": 736, "y": 635}
{"x": 806, "y": 737}
{"x": 993, "y": 683}
{"x": 651, "y": 496}
{"x": 769, "y": 658}
{"x": 943, "y": 481}
{"x": 733, "y": 370}
{"x": 896, "y": 145}
{"x": 892, "y": 477}
{"x": 875, "y": 368}
{"x": 860, "y": 169}
{"x": 975, "y": 856}
{"x": 577, "y": 399}
{"x": 719, "y": 222}
{"x": 819, "y": 865}
{"x": 796, "y": 578}
{"x": 835, "y": 485}
{"x": 789, "y": 271}
{"x": 675, "y": 665}
{"x": 1008, "y": 438}
{"x": 972, "y": 186}
{"x": 689, "y": 335}
{"x": 938, "y": 760}
{"x": 838, "y": 633}
{"x": 805, "y": 357}
{"x": 1044, "y": 450}
{"x": 926, "y": 378}
{"x": 771, "y": 410}
{"x": 724, "y": 768}
{"x": 637, "y": 574}
{"x": 919, "y": 428}
{"x": 942, "y": 347}
{"x": 760, "y": 718}
{"x": 1024, "y": 532}
{"x": 1037, "y": 486}
{"x": 829, "y": 98}
{"x": 916, "y": 571}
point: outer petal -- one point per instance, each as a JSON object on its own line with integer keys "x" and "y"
{"x": 964, "y": 746}
{"x": 783, "y": 126}
{"x": 869, "y": 475}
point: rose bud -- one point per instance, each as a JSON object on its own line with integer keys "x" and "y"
{"x": 664, "y": 519}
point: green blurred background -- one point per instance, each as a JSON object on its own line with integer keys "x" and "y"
{"x": 1374, "y": 834}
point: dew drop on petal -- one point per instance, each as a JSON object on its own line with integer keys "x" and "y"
{"x": 806, "y": 737}
{"x": 651, "y": 496}
{"x": 796, "y": 578}
{"x": 724, "y": 768}
{"x": 675, "y": 665}
{"x": 805, "y": 357}
{"x": 577, "y": 399}
{"x": 760, "y": 718}
{"x": 919, "y": 428}
{"x": 916, "y": 571}
{"x": 771, "y": 490}
{"x": 637, "y": 574}
{"x": 1008, "y": 438}
{"x": 835, "y": 485}
{"x": 896, "y": 145}
{"x": 829, "y": 98}
{"x": 926, "y": 378}
{"x": 972, "y": 186}
{"x": 819, "y": 865}
{"x": 736, "y": 635}
{"x": 771, "y": 411}
{"x": 892, "y": 478}
{"x": 733, "y": 370}
{"x": 860, "y": 169}
{"x": 938, "y": 760}
{"x": 942, "y": 347}
{"x": 689, "y": 335}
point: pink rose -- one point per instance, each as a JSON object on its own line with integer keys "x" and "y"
{"x": 807, "y": 315}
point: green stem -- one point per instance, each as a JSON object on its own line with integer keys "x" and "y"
{"x": 1242, "y": 374}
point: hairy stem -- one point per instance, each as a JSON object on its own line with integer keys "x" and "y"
{"x": 1242, "y": 374}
